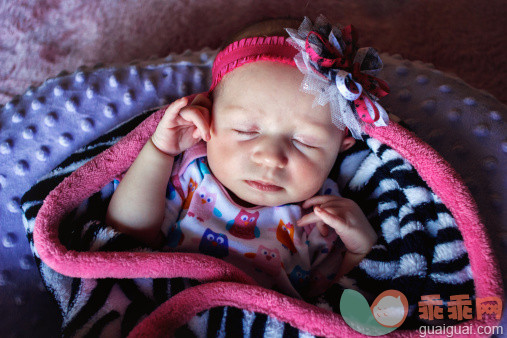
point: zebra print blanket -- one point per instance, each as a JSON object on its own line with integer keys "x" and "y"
{"x": 422, "y": 249}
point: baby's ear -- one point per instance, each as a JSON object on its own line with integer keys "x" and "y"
{"x": 347, "y": 142}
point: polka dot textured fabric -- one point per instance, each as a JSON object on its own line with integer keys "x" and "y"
{"x": 47, "y": 123}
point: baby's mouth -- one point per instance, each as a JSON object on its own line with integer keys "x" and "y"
{"x": 263, "y": 186}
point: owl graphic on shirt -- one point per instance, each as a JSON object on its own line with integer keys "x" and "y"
{"x": 244, "y": 225}
{"x": 192, "y": 187}
{"x": 320, "y": 282}
{"x": 214, "y": 244}
{"x": 175, "y": 236}
{"x": 267, "y": 260}
{"x": 285, "y": 235}
{"x": 202, "y": 205}
{"x": 170, "y": 192}
{"x": 299, "y": 278}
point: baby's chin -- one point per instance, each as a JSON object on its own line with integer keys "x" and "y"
{"x": 263, "y": 201}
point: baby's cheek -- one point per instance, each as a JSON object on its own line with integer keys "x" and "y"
{"x": 216, "y": 159}
{"x": 225, "y": 158}
{"x": 219, "y": 145}
{"x": 309, "y": 178}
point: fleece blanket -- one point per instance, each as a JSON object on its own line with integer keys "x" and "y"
{"x": 431, "y": 241}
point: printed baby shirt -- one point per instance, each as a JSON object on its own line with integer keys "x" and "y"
{"x": 262, "y": 241}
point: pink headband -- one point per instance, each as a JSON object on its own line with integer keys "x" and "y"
{"x": 335, "y": 69}
{"x": 239, "y": 53}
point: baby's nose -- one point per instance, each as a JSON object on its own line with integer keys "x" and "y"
{"x": 270, "y": 154}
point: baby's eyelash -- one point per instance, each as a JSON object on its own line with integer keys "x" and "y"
{"x": 304, "y": 144}
{"x": 243, "y": 132}
{"x": 253, "y": 132}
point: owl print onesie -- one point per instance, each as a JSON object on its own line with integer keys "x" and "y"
{"x": 264, "y": 242}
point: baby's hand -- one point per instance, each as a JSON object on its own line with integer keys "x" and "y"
{"x": 349, "y": 222}
{"x": 183, "y": 125}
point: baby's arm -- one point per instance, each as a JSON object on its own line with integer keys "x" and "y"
{"x": 137, "y": 207}
{"x": 349, "y": 222}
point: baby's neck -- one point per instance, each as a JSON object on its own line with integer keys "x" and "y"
{"x": 239, "y": 201}
{"x": 246, "y": 204}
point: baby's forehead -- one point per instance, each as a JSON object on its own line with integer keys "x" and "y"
{"x": 268, "y": 91}
{"x": 264, "y": 111}
{"x": 304, "y": 125}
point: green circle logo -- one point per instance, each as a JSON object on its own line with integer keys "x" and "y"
{"x": 387, "y": 312}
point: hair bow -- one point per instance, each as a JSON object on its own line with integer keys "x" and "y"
{"x": 340, "y": 73}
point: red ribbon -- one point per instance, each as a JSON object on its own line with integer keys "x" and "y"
{"x": 362, "y": 109}
{"x": 350, "y": 37}
{"x": 340, "y": 61}
{"x": 370, "y": 84}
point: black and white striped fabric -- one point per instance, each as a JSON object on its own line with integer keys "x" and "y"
{"x": 420, "y": 250}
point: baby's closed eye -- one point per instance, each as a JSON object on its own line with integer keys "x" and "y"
{"x": 304, "y": 144}
{"x": 296, "y": 141}
{"x": 245, "y": 132}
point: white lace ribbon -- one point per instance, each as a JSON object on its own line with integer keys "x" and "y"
{"x": 337, "y": 86}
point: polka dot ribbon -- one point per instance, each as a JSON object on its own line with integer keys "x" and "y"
{"x": 345, "y": 65}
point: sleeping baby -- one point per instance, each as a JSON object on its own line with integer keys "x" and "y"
{"x": 241, "y": 172}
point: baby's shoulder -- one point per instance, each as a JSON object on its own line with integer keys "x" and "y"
{"x": 192, "y": 159}
{"x": 187, "y": 175}
{"x": 196, "y": 169}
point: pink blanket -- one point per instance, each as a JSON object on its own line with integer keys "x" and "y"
{"x": 225, "y": 285}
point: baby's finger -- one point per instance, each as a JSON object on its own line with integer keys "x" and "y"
{"x": 323, "y": 228}
{"x": 203, "y": 101}
{"x": 174, "y": 108}
{"x": 331, "y": 219}
{"x": 312, "y": 218}
{"x": 308, "y": 219}
{"x": 320, "y": 199}
{"x": 194, "y": 115}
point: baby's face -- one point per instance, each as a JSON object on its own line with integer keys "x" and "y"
{"x": 268, "y": 145}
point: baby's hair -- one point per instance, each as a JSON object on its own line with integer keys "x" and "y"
{"x": 270, "y": 27}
